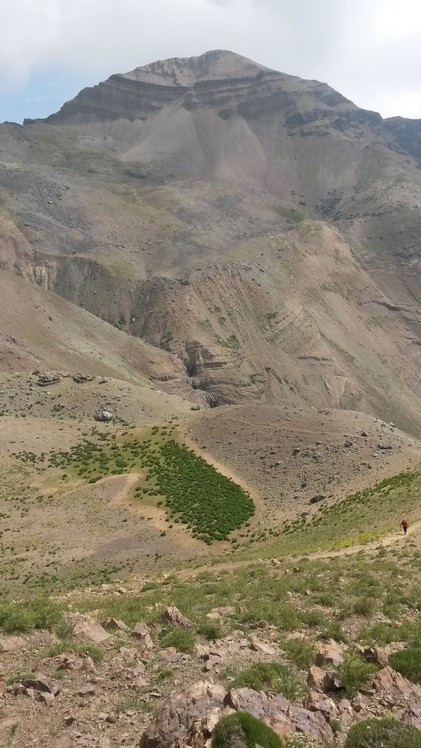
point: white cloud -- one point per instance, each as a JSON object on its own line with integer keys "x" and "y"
{"x": 370, "y": 50}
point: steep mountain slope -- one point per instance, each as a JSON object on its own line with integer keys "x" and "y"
{"x": 262, "y": 228}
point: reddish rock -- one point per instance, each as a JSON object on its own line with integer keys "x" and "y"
{"x": 316, "y": 677}
{"x": 395, "y": 688}
{"x": 329, "y": 654}
{"x": 87, "y": 629}
{"x": 312, "y": 724}
{"x": 278, "y": 712}
{"x": 262, "y": 647}
{"x": 317, "y": 702}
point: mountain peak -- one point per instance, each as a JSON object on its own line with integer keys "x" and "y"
{"x": 216, "y": 64}
{"x": 218, "y": 80}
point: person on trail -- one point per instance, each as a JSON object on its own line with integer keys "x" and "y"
{"x": 404, "y": 526}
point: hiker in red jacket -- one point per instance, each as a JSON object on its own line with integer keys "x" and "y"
{"x": 404, "y": 526}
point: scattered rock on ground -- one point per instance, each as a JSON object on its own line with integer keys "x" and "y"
{"x": 86, "y": 628}
{"x": 173, "y": 616}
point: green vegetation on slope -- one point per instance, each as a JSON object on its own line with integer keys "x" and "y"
{"x": 244, "y": 731}
{"x": 408, "y": 662}
{"x": 269, "y": 676}
{"x": 193, "y": 491}
{"x": 360, "y": 518}
{"x": 291, "y": 599}
{"x": 384, "y": 733}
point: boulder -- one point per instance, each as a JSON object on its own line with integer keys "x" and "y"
{"x": 312, "y": 724}
{"x": 412, "y": 715}
{"x": 324, "y": 680}
{"x": 262, "y": 647}
{"x": 280, "y": 714}
{"x": 142, "y": 633}
{"x": 82, "y": 378}
{"x": 72, "y": 661}
{"x": 316, "y": 677}
{"x": 114, "y": 623}
{"x": 346, "y": 712}
{"x": 377, "y": 655}
{"x": 86, "y": 628}
{"x": 317, "y": 702}
{"x": 394, "y": 688}
{"x": 188, "y": 718}
{"x": 173, "y": 616}
{"x": 329, "y": 654}
{"x": 104, "y": 415}
{"x": 46, "y": 380}
{"x": 179, "y": 714}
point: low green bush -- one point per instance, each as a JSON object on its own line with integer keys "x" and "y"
{"x": 270, "y": 676}
{"x": 39, "y": 613}
{"x": 355, "y": 672}
{"x": 19, "y": 677}
{"x": 408, "y": 663}
{"x": 210, "y": 630}
{"x": 383, "y": 733}
{"x": 183, "y": 640}
{"x": 242, "y": 730}
{"x": 301, "y": 652}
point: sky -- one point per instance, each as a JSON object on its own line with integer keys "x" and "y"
{"x": 369, "y": 50}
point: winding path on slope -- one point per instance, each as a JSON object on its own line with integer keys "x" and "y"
{"x": 388, "y": 540}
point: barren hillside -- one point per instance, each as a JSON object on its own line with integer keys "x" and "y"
{"x": 260, "y": 227}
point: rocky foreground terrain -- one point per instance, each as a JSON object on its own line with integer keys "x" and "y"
{"x": 309, "y": 668}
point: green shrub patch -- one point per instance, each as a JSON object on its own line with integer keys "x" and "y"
{"x": 192, "y": 491}
{"x": 355, "y": 672}
{"x": 210, "y": 503}
{"x": 383, "y": 733}
{"x": 269, "y": 676}
{"x": 408, "y": 663}
{"x": 244, "y": 731}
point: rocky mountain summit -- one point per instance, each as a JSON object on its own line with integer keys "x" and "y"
{"x": 217, "y": 80}
{"x": 260, "y": 228}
